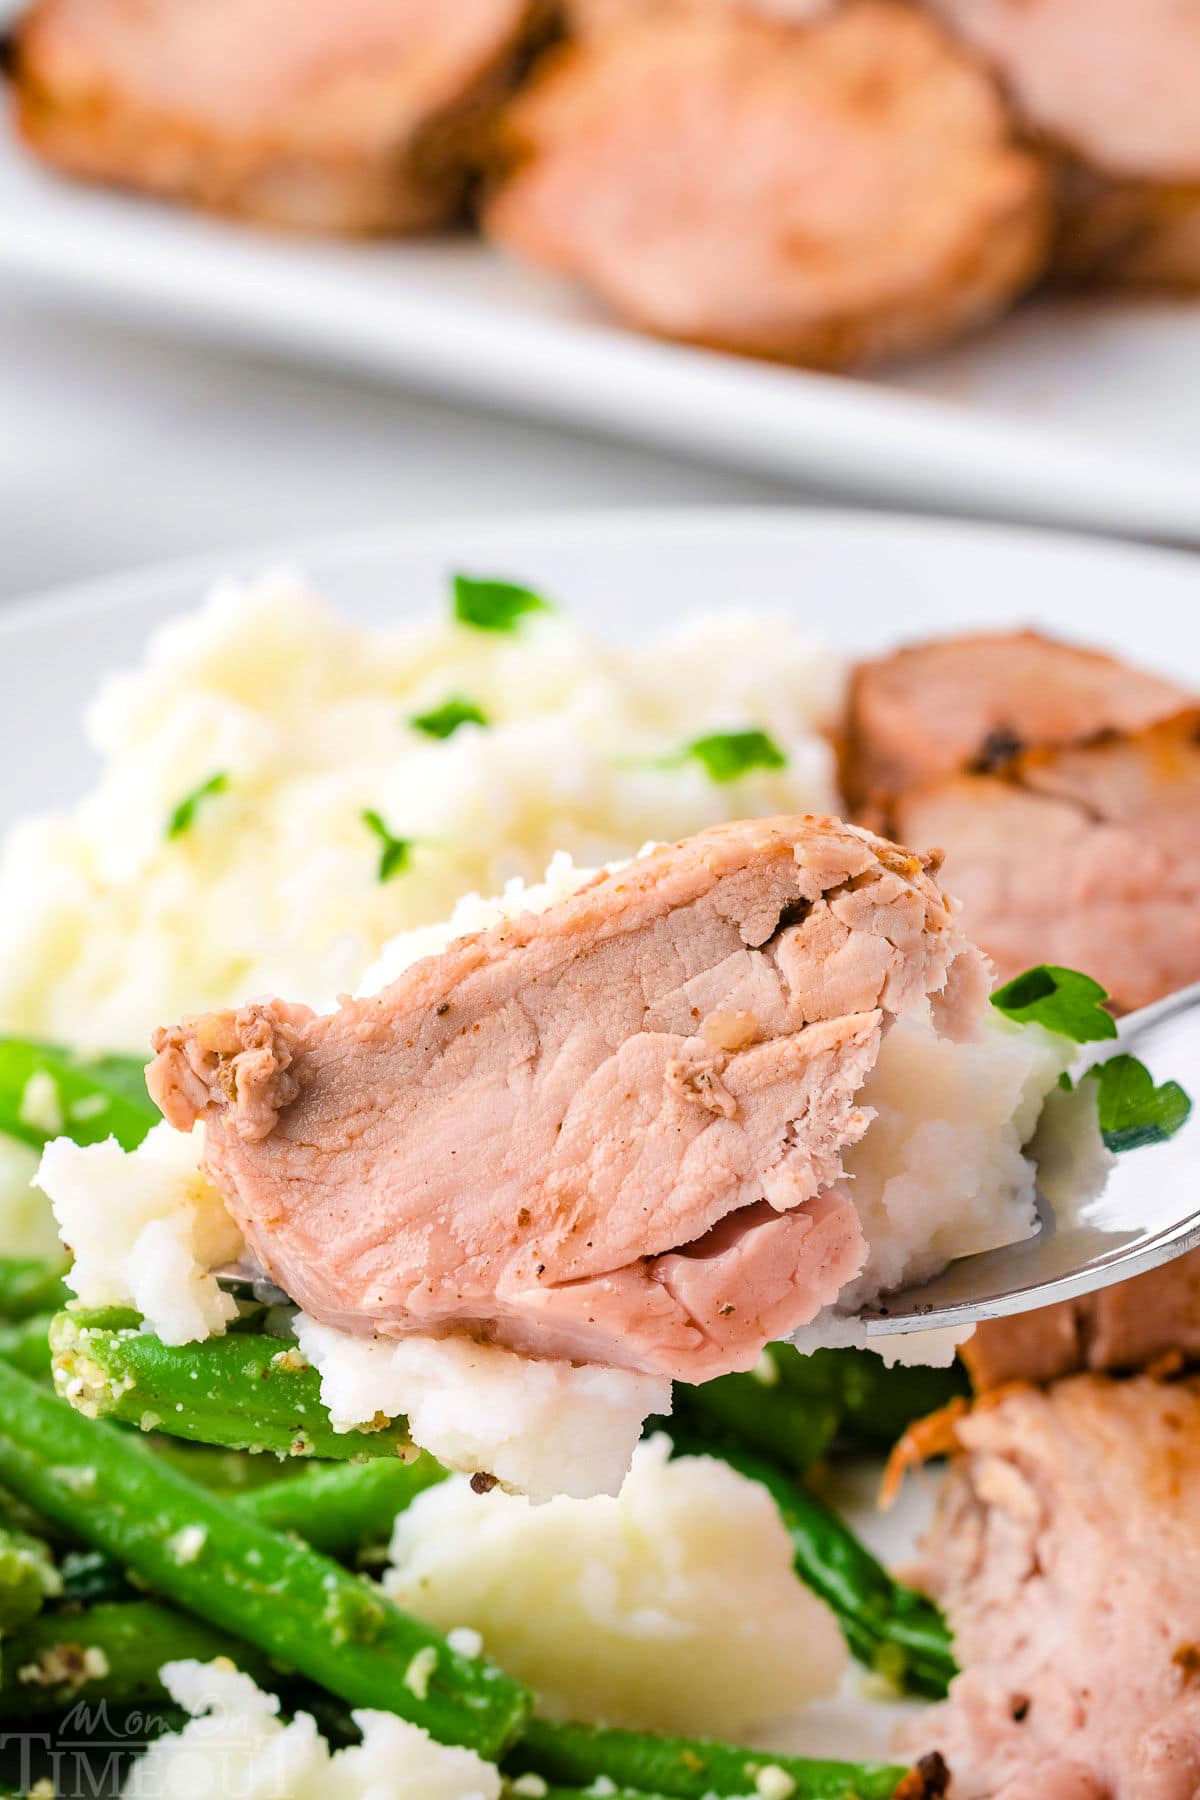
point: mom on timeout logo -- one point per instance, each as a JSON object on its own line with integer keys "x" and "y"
{"x": 93, "y": 1752}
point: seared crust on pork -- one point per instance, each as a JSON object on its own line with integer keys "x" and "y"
{"x": 353, "y": 117}
{"x": 958, "y": 705}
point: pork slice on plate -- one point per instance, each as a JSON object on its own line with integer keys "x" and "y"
{"x": 1066, "y": 1552}
{"x": 1086, "y": 856}
{"x": 824, "y": 189}
{"x": 1064, "y": 789}
{"x": 347, "y": 118}
{"x": 1113, "y": 85}
{"x": 633, "y": 1129}
{"x": 949, "y": 705}
{"x": 1152, "y": 1320}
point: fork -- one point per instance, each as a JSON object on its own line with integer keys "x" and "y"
{"x": 1147, "y": 1213}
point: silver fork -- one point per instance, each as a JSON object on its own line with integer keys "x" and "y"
{"x": 1147, "y": 1213}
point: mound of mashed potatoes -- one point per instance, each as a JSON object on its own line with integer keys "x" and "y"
{"x": 298, "y": 724}
{"x": 235, "y": 1743}
{"x": 112, "y": 924}
{"x": 673, "y": 1607}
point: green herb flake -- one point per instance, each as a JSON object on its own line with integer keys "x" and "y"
{"x": 1061, "y": 1000}
{"x": 396, "y": 851}
{"x": 1132, "y": 1111}
{"x": 488, "y": 605}
{"x": 728, "y": 755}
{"x": 184, "y": 816}
{"x": 444, "y": 720}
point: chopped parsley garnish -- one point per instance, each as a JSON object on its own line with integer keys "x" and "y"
{"x": 396, "y": 851}
{"x": 444, "y": 720}
{"x": 1062, "y": 1000}
{"x": 728, "y": 755}
{"x": 1132, "y": 1111}
{"x": 489, "y": 605}
{"x": 184, "y": 816}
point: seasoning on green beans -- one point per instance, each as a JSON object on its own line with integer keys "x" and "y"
{"x": 572, "y": 1756}
{"x": 244, "y": 1391}
{"x": 199, "y": 1552}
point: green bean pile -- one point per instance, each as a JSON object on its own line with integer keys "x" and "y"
{"x": 160, "y": 1503}
{"x": 122, "y": 1549}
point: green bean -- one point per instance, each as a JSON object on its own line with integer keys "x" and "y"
{"x": 199, "y": 1552}
{"x": 27, "y": 1345}
{"x": 888, "y": 1627}
{"x": 793, "y": 1408}
{"x": 92, "y": 1575}
{"x": 87, "y": 1098}
{"x": 29, "y": 1285}
{"x": 244, "y": 1391}
{"x": 573, "y": 1756}
{"x": 578, "y": 1793}
{"x": 342, "y": 1507}
{"x": 28, "y": 1577}
{"x": 879, "y": 1404}
{"x": 111, "y": 1652}
{"x": 227, "y": 1471}
{"x": 337, "y": 1508}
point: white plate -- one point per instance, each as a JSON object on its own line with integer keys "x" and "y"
{"x": 857, "y": 581}
{"x": 1085, "y": 414}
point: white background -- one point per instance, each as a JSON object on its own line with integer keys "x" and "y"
{"x": 119, "y": 446}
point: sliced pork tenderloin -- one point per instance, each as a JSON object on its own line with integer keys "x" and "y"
{"x": 948, "y": 706}
{"x": 1064, "y": 787}
{"x": 1087, "y": 856}
{"x": 1111, "y": 85}
{"x": 819, "y": 185}
{"x": 610, "y": 1131}
{"x": 1152, "y": 1320}
{"x": 348, "y": 118}
{"x": 1066, "y": 1552}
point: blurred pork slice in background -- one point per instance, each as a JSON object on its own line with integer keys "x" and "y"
{"x": 829, "y": 190}
{"x": 355, "y": 117}
{"x": 1113, "y": 87}
{"x": 1064, "y": 786}
{"x": 1065, "y": 789}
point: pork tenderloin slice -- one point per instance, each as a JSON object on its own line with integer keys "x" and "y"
{"x": 1114, "y": 81}
{"x": 1066, "y": 1552}
{"x": 542, "y": 1136}
{"x": 825, "y": 190}
{"x": 1152, "y": 1320}
{"x": 347, "y": 118}
{"x": 950, "y": 705}
{"x": 1086, "y": 856}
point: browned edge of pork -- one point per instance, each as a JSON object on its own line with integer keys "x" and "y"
{"x": 361, "y": 118}
{"x": 968, "y": 704}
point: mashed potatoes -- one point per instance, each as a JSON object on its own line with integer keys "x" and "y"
{"x": 112, "y": 925}
{"x": 672, "y": 1607}
{"x": 235, "y": 1743}
{"x": 297, "y": 724}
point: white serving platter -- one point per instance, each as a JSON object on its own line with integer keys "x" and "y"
{"x": 1070, "y": 412}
